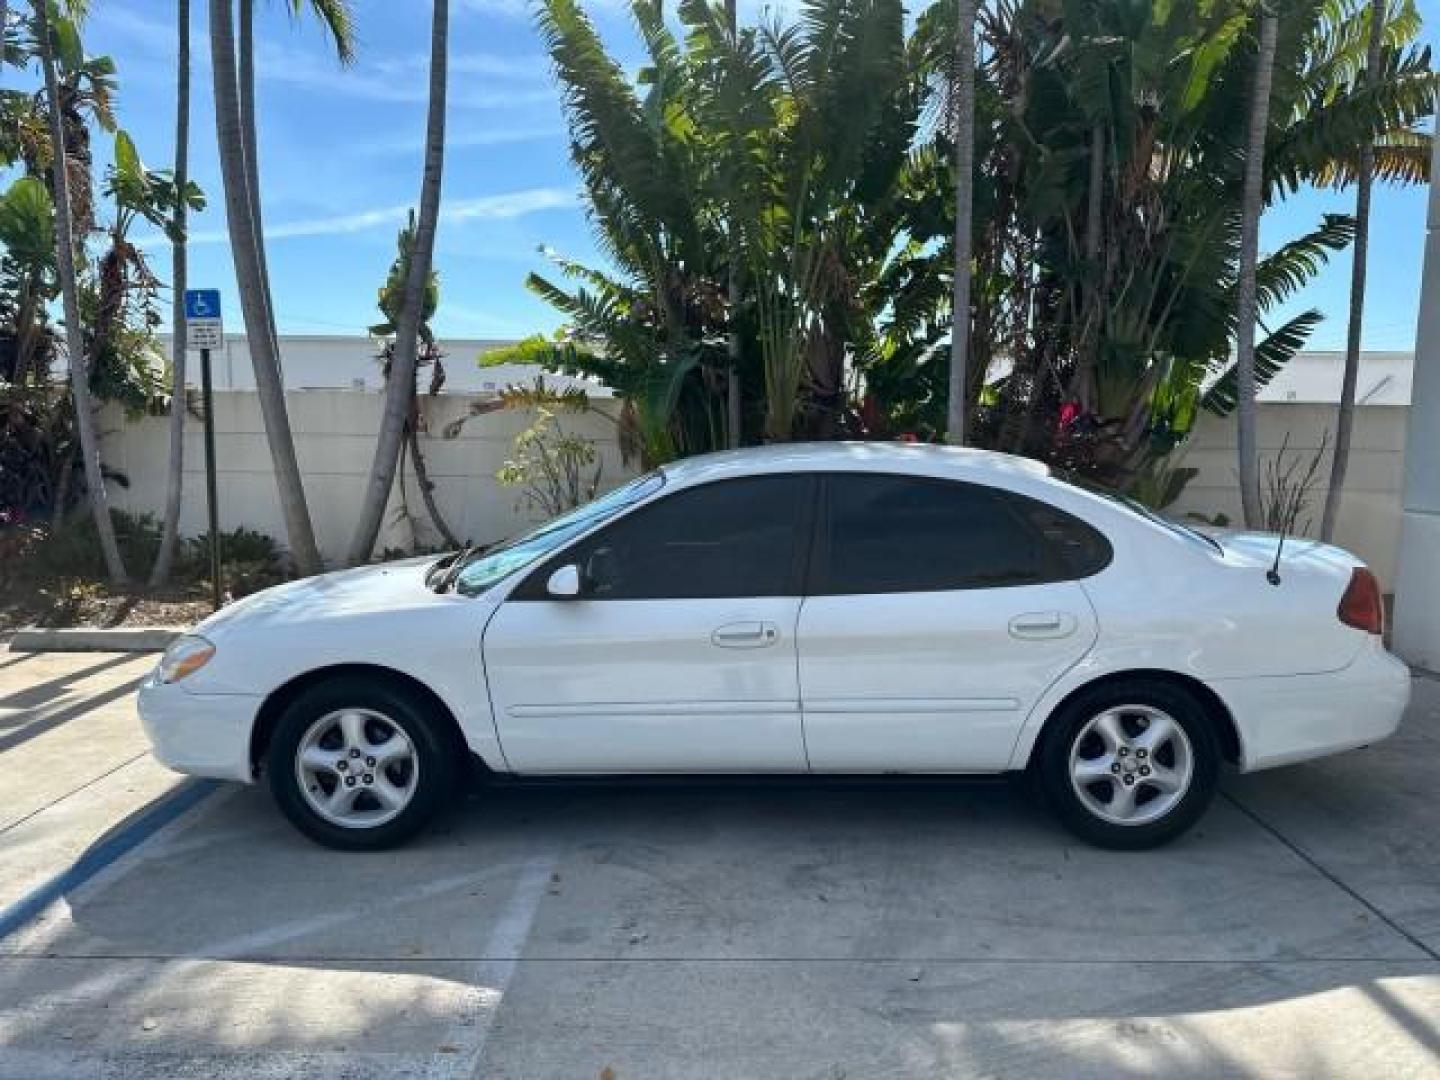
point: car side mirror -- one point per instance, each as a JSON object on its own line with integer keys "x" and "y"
{"x": 564, "y": 583}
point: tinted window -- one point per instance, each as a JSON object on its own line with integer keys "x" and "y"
{"x": 885, "y": 533}
{"x": 1080, "y": 549}
{"x": 732, "y": 538}
{"x": 484, "y": 569}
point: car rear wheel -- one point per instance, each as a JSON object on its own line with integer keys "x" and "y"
{"x": 360, "y": 764}
{"x": 1130, "y": 765}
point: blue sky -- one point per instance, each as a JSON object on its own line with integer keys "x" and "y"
{"x": 340, "y": 160}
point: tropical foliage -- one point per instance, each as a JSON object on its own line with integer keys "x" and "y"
{"x": 1109, "y": 153}
{"x": 117, "y": 292}
{"x": 552, "y": 469}
{"x": 390, "y": 299}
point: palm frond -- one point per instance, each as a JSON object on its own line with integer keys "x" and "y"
{"x": 1271, "y": 355}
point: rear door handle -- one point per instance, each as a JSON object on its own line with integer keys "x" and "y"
{"x": 1039, "y": 625}
{"x": 745, "y": 635}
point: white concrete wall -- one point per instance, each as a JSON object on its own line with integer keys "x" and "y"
{"x": 347, "y": 362}
{"x": 335, "y": 440}
{"x": 334, "y": 434}
{"x": 1369, "y": 522}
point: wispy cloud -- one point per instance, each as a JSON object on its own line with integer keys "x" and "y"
{"x": 477, "y": 80}
{"x": 510, "y": 204}
{"x": 749, "y": 10}
{"x": 465, "y": 138}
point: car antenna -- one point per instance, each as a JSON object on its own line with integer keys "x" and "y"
{"x": 1273, "y": 574}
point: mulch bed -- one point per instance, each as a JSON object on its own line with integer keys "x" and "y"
{"x": 87, "y": 604}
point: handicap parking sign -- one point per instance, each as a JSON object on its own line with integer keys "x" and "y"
{"x": 202, "y": 303}
{"x": 203, "y": 328}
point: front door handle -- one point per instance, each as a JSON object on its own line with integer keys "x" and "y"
{"x": 1039, "y": 625}
{"x": 745, "y": 635}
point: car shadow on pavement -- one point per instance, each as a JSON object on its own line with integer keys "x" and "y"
{"x": 926, "y": 929}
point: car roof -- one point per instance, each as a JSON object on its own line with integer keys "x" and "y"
{"x": 918, "y": 459}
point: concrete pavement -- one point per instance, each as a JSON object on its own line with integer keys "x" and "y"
{"x": 930, "y": 930}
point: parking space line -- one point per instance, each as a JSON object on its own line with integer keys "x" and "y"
{"x": 147, "y": 824}
{"x": 1331, "y": 877}
{"x": 490, "y": 979}
{"x": 247, "y": 946}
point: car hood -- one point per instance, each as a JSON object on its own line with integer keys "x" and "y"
{"x": 364, "y": 590}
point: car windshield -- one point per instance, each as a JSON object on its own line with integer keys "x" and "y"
{"x": 484, "y": 569}
{"x": 1141, "y": 510}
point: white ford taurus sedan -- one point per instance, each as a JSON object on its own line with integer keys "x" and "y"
{"x": 821, "y": 609}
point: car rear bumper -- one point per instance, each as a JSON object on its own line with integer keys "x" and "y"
{"x": 199, "y": 734}
{"x": 1293, "y": 718}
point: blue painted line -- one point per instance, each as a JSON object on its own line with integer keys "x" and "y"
{"x": 97, "y": 858}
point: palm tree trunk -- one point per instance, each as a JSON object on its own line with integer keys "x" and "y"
{"x": 1251, "y": 204}
{"x": 400, "y": 387}
{"x": 733, "y": 405}
{"x": 249, "y": 131}
{"x": 1364, "y": 177}
{"x": 1085, "y": 389}
{"x": 74, "y": 342}
{"x": 249, "y": 279}
{"x": 174, "y": 478}
{"x": 427, "y": 486}
{"x": 963, "y": 84}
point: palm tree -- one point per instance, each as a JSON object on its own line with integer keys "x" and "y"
{"x": 1252, "y": 197}
{"x": 1364, "y": 175}
{"x": 174, "y": 476}
{"x": 391, "y": 302}
{"x": 400, "y": 387}
{"x": 250, "y": 278}
{"x": 74, "y": 339}
{"x": 963, "y": 106}
{"x": 245, "y": 60}
{"x": 338, "y": 20}
{"x": 733, "y": 403}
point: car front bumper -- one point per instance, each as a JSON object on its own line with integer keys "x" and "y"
{"x": 1292, "y": 718}
{"x": 199, "y": 734}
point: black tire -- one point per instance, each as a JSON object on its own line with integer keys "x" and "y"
{"x": 435, "y": 757}
{"x": 1053, "y": 764}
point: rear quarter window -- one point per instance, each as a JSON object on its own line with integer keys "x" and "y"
{"x": 890, "y": 533}
{"x": 1081, "y": 549}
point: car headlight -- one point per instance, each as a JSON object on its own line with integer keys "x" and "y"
{"x": 185, "y": 656}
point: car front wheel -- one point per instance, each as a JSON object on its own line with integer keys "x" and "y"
{"x": 1131, "y": 765}
{"x": 359, "y": 764}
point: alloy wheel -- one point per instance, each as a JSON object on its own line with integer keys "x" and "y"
{"x": 357, "y": 768}
{"x": 1131, "y": 764}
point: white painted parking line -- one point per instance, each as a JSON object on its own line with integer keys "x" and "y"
{"x": 489, "y": 979}
{"x": 256, "y": 945}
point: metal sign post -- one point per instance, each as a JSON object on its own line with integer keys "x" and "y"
{"x": 204, "y": 331}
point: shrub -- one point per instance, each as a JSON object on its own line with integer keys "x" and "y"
{"x": 32, "y": 554}
{"x": 72, "y": 550}
{"x": 19, "y": 539}
{"x": 251, "y": 560}
{"x": 551, "y": 467}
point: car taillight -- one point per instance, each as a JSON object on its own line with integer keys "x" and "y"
{"x": 1361, "y": 607}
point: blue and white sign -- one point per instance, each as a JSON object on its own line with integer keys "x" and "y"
{"x": 203, "y": 328}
